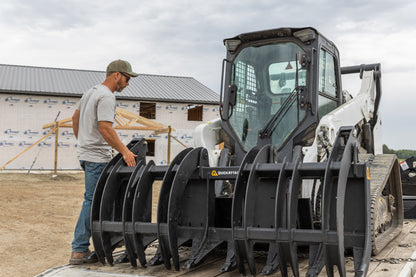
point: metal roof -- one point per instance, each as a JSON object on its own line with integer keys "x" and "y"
{"x": 72, "y": 82}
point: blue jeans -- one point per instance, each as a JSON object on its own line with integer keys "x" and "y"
{"x": 82, "y": 231}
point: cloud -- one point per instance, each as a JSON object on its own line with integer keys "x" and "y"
{"x": 45, "y": 14}
{"x": 184, "y": 38}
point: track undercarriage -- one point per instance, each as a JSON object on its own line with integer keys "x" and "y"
{"x": 359, "y": 204}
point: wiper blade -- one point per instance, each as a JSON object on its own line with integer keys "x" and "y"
{"x": 268, "y": 129}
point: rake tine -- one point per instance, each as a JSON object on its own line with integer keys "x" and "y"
{"x": 272, "y": 263}
{"x": 142, "y": 207}
{"x": 128, "y": 212}
{"x": 238, "y": 209}
{"x": 180, "y": 181}
{"x": 163, "y": 204}
{"x": 107, "y": 190}
{"x": 293, "y": 197}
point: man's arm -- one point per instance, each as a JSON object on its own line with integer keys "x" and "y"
{"x": 109, "y": 134}
{"x": 75, "y": 123}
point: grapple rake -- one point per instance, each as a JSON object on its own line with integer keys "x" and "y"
{"x": 265, "y": 209}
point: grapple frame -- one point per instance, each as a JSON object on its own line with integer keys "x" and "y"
{"x": 265, "y": 209}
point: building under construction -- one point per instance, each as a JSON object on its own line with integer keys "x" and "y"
{"x": 32, "y": 97}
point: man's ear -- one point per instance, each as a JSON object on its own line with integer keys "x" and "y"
{"x": 115, "y": 76}
{"x": 118, "y": 76}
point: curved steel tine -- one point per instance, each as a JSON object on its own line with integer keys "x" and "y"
{"x": 95, "y": 209}
{"x": 237, "y": 212}
{"x": 362, "y": 256}
{"x": 281, "y": 220}
{"x": 330, "y": 206}
{"x": 340, "y": 202}
{"x": 137, "y": 147}
{"x": 180, "y": 181}
{"x": 250, "y": 208}
{"x": 259, "y": 202}
{"x": 272, "y": 263}
{"x": 142, "y": 210}
{"x": 128, "y": 212}
{"x": 250, "y": 257}
{"x": 292, "y": 213}
{"x": 162, "y": 209}
{"x": 110, "y": 196}
{"x": 316, "y": 261}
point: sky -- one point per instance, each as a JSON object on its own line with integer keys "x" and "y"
{"x": 185, "y": 38}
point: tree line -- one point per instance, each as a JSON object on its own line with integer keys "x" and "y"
{"x": 401, "y": 154}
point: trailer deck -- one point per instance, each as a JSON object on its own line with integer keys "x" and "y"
{"x": 397, "y": 259}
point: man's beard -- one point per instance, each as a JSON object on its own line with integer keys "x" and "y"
{"x": 119, "y": 88}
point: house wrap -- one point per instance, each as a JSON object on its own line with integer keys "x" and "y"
{"x": 31, "y": 97}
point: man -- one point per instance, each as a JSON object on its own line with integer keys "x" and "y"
{"x": 93, "y": 127}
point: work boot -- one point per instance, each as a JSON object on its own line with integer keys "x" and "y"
{"x": 86, "y": 257}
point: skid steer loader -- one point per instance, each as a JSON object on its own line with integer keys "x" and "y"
{"x": 301, "y": 168}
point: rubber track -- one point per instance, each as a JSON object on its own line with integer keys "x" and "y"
{"x": 381, "y": 169}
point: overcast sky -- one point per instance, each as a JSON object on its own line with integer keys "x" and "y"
{"x": 184, "y": 38}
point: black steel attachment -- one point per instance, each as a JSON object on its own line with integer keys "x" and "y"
{"x": 265, "y": 210}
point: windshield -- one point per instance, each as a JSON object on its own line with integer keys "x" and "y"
{"x": 265, "y": 77}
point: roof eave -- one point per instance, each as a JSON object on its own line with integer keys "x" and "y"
{"x": 78, "y": 95}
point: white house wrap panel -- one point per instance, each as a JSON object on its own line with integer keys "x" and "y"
{"x": 26, "y": 108}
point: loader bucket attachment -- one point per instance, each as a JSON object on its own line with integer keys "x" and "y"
{"x": 265, "y": 210}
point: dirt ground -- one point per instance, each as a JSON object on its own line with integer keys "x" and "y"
{"x": 39, "y": 213}
{"x": 38, "y": 216}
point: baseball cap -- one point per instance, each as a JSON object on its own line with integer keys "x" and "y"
{"x": 121, "y": 66}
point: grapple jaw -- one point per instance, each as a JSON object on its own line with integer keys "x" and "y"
{"x": 186, "y": 210}
{"x": 286, "y": 222}
{"x": 264, "y": 211}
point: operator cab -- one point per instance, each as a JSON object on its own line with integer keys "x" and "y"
{"x": 277, "y": 86}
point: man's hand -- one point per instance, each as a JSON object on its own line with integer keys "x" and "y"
{"x": 130, "y": 158}
{"x": 109, "y": 134}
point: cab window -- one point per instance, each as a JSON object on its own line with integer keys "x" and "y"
{"x": 327, "y": 80}
{"x": 328, "y": 87}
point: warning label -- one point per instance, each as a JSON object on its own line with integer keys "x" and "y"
{"x": 404, "y": 165}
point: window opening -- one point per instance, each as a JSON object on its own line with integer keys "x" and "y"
{"x": 148, "y": 110}
{"x": 195, "y": 112}
{"x": 150, "y": 147}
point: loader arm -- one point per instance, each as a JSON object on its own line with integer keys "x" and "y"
{"x": 357, "y": 112}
